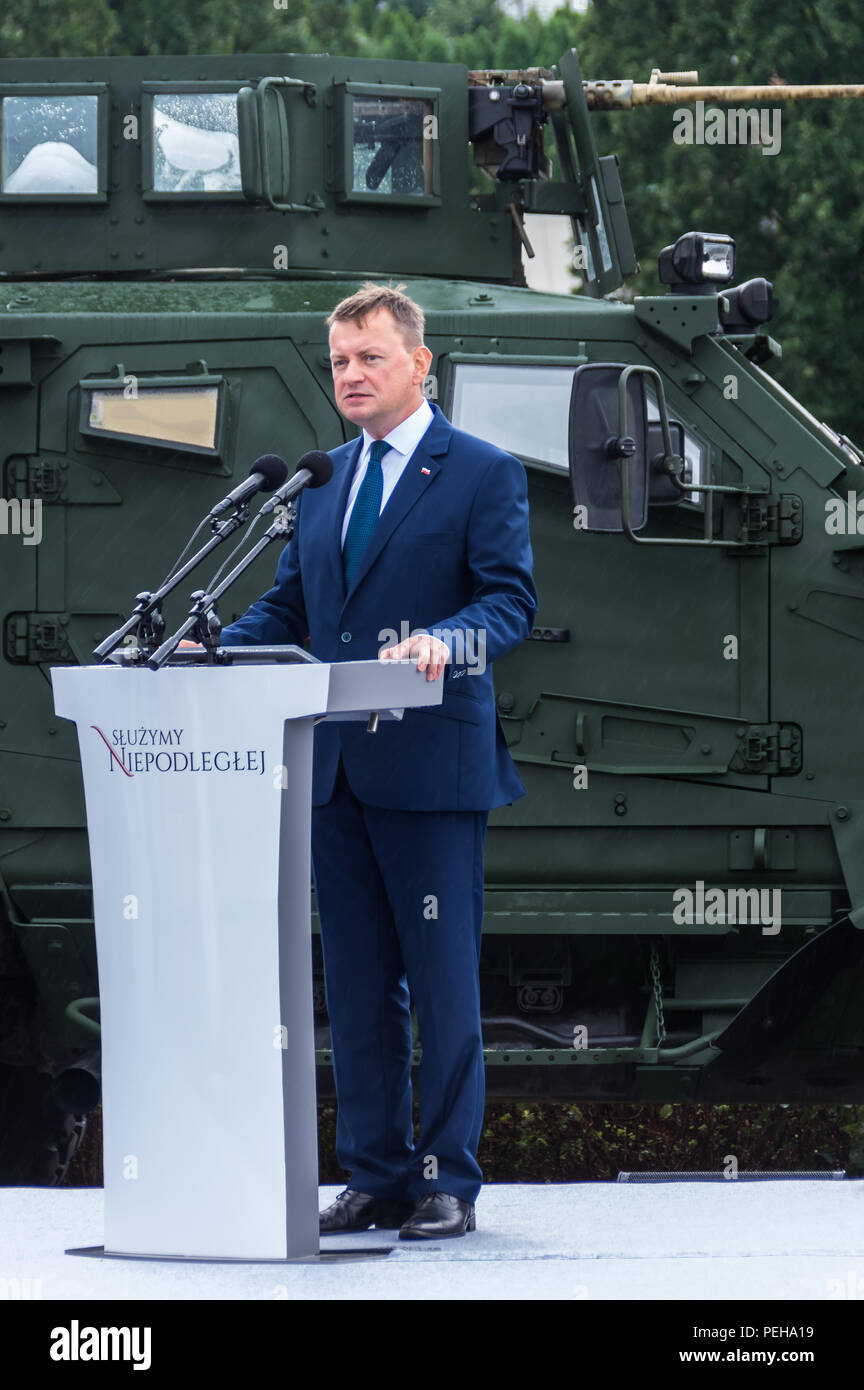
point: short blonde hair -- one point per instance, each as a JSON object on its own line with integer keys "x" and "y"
{"x": 371, "y": 297}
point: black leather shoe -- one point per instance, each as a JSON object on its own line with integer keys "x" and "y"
{"x": 357, "y": 1211}
{"x": 438, "y": 1214}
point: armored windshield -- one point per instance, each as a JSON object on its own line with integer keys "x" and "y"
{"x": 389, "y": 153}
{"x": 49, "y": 144}
{"x": 195, "y": 146}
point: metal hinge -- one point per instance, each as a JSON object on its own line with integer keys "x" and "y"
{"x": 771, "y": 519}
{"x": 43, "y": 478}
{"x": 32, "y": 638}
{"x": 774, "y": 749}
{"x": 34, "y": 477}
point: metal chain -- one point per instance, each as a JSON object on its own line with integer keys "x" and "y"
{"x": 658, "y": 994}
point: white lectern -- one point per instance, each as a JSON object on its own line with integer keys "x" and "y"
{"x": 197, "y": 780}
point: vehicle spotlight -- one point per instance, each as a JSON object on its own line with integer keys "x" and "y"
{"x": 747, "y": 306}
{"x": 697, "y": 263}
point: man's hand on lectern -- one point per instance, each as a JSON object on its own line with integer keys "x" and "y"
{"x": 432, "y": 654}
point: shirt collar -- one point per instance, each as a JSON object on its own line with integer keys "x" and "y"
{"x": 405, "y": 437}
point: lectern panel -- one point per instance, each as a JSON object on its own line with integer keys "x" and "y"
{"x": 208, "y": 1095}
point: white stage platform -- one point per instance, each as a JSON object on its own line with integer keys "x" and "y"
{"x": 574, "y": 1242}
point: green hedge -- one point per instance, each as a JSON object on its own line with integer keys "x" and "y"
{"x": 530, "y": 1142}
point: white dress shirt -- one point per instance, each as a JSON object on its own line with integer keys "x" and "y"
{"x": 403, "y": 440}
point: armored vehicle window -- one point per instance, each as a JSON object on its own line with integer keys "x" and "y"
{"x": 390, "y": 144}
{"x": 193, "y": 146}
{"x": 524, "y": 409}
{"x": 50, "y": 146}
{"x": 179, "y": 417}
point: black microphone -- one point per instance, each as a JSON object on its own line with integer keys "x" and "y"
{"x": 265, "y": 474}
{"x": 314, "y": 470}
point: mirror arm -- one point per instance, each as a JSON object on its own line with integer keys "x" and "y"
{"x": 710, "y": 488}
{"x": 624, "y": 473}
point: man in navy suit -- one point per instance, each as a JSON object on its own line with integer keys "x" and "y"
{"x": 418, "y": 548}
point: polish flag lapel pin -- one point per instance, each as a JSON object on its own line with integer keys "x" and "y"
{"x": 426, "y": 471}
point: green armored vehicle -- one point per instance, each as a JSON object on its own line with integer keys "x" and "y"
{"x": 675, "y": 909}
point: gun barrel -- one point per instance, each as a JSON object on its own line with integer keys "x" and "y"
{"x": 624, "y": 95}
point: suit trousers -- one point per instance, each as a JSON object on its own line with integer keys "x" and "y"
{"x": 400, "y": 900}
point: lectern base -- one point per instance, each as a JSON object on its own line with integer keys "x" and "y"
{"x": 359, "y": 1253}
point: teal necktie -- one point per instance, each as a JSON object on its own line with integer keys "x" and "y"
{"x": 365, "y": 512}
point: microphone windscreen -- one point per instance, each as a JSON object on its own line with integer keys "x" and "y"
{"x": 320, "y": 465}
{"x": 274, "y": 469}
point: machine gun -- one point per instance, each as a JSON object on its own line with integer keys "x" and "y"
{"x": 508, "y": 109}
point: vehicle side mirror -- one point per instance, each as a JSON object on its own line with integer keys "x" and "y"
{"x": 609, "y": 427}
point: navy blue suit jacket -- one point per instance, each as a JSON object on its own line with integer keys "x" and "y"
{"x": 450, "y": 551}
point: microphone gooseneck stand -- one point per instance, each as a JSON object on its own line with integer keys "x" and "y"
{"x": 203, "y": 624}
{"x": 147, "y": 621}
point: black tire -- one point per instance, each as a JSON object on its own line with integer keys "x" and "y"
{"x": 38, "y": 1139}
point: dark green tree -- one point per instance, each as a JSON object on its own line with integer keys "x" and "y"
{"x": 797, "y": 216}
{"x": 458, "y": 17}
{"x": 56, "y": 28}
